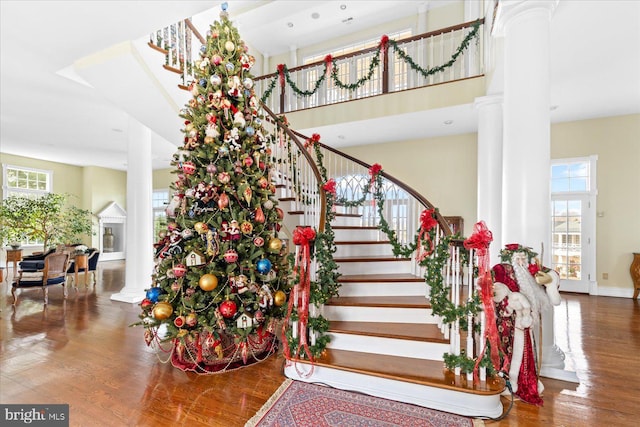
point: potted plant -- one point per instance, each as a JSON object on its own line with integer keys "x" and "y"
{"x": 49, "y": 219}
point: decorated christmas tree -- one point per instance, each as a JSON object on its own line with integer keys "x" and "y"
{"x": 220, "y": 281}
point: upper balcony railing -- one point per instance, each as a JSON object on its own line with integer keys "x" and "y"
{"x": 446, "y": 55}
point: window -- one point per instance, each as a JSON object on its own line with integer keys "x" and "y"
{"x": 159, "y": 202}
{"x": 28, "y": 182}
{"x": 573, "y": 222}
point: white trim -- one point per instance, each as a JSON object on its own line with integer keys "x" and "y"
{"x": 6, "y": 188}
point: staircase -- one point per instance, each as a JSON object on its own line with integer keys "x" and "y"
{"x": 385, "y": 339}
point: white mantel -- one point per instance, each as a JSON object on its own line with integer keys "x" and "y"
{"x": 115, "y": 217}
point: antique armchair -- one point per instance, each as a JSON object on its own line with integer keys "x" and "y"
{"x": 53, "y": 273}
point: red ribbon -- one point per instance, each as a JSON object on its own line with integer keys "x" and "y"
{"x": 315, "y": 139}
{"x": 330, "y": 186}
{"x": 427, "y": 222}
{"x": 374, "y": 170}
{"x": 480, "y": 241}
{"x": 303, "y": 237}
{"x": 384, "y": 47}
{"x": 328, "y": 64}
{"x": 281, "y": 74}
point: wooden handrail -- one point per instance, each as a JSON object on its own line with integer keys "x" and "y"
{"x": 310, "y": 161}
{"x": 419, "y": 197}
{"x": 195, "y": 31}
{"x": 373, "y": 49}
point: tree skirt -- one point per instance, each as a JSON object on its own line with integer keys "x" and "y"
{"x": 300, "y": 404}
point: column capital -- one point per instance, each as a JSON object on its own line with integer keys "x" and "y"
{"x": 485, "y": 101}
{"x": 508, "y": 10}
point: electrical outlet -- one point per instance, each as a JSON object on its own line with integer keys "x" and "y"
{"x": 605, "y": 276}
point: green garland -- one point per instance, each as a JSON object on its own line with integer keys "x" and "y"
{"x": 283, "y": 70}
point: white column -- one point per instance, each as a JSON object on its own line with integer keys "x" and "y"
{"x": 490, "y": 169}
{"x": 526, "y": 204}
{"x": 266, "y": 66}
{"x": 293, "y": 57}
{"x": 139, "y": 226}
{"x": 422, "y": 18}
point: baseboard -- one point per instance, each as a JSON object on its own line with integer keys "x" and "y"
{"x": 618, "y": 292}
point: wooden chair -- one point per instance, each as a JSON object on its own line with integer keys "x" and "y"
{"x": 53, "y": 273}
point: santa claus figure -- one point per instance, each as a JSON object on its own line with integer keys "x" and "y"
{"x": 522, "y": 291}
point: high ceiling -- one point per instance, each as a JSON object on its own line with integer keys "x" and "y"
{"x": 595, "y": 65}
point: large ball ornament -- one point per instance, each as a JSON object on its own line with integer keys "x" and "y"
{"x": 189, "y": 168}
{"x": 268, "y": 205}
{"x": 258, "y": 241}
{"x": 146, "y": 304}
{"x": 208, "y": 282}
{"x": 191, "y": 319}
{"x": 247, "y": 83}
{"x": 162, "y": 310}
{"x": 263, "y": 266}
{"x": 228, "y": 309}
{"x": 215, "y": 80}
{"x": 229, "y": 46}
{"x": 274, "y": 246}
{"x": 224, "y": 177}
{"x": 153, "y": 294}
{"x": 279, "y": 298}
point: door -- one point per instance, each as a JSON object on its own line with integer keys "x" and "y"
{"x": 572, "y": 237}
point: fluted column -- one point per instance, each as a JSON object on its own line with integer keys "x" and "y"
{"x": 490, "y": 169}
{"x": 139, "y": 226}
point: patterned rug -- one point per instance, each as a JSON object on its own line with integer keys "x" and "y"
{"x": 299, "y": 404}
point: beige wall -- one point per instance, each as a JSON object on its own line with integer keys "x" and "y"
{"x": 162, "y": 178}
{"x": 616, "y": 142}
{"x": 441, "y": 169}
{"x": 91, "y": 188}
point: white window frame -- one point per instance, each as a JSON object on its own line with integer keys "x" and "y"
{"x": 161, "y": 209}
{"x": 5, "y": 184}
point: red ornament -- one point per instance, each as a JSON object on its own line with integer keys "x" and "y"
{"x": 179, "y": 321}
{"x": 230, "y": 256}
{"x": 146, "y": 303}
{"x": 179, "y": 270}
{"x": 189, "y": 168}
{"x": 258, "y": 241}
{"x": 248, "y": 161}
{"x": 228, "y": 309}
{"x": 260, "y": 216}
{"x": 223, "y": 201}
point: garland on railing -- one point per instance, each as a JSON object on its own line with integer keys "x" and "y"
{"x": 433, "y": 259}
{"x": 331, "y": 69}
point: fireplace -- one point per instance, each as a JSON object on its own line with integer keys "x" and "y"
{"x": 112, "y": 225}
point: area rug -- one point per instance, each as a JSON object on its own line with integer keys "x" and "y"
{"x": 299, "y": 404}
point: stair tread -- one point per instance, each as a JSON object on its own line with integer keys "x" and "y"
{"x": 426, "y": 332}
{"x": 381, "y": 301}
{"x": 418, "y": 371}
{"x": 366, "y": 278}
{"x": 373, "y": 258}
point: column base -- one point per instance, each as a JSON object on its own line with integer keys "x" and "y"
{"x": 130, "y": 297}
{"x": 553, "y": 365}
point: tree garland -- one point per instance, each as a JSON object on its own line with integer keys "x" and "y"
{"x": 331, "y": 68}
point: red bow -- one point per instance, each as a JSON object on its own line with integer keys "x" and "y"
{"x": 480, "y": 241}
{"x": 427, "y": 222}
{"x": 330, "y": 186}
{"x": 281, "y": 74}
{"x": 303, "y": 237}
{"x": 315, "y": 139}
{"x": 328, "y": 64}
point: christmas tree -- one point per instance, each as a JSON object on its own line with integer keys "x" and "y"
{"x": 220, "y": 280}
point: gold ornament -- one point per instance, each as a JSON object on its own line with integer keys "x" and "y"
{"x": 208, "y": 282}
{"x": 200, "y": 227}
{"x": 274, "y": 245}
{"x": 162, "y": 310}
{"x": 279, "y": 298}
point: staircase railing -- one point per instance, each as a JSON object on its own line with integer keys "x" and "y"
{"x": 440, "y": 56}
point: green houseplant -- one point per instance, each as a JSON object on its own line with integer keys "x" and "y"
{"x": 50, "y": 219}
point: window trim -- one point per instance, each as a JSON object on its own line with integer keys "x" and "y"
{"x": 6, "y": 188}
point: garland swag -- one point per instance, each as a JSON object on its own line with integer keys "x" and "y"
{"x": 331, "y": 68}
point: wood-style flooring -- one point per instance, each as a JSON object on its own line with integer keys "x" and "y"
{"x": 83, "y": 352}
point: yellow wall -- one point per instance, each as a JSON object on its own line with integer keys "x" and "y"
{"x": 441, "y": 169}
{"x": 616, "y": 142}
{"x": 91, "y": 188}
{"x": 162, "y": 178}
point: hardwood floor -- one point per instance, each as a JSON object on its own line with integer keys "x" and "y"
{"x": 83, "y": 352}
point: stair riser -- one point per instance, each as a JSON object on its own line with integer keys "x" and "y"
{"x": 347, "y": 250}
{"x": 383, "y": 289}
{"x": 377, "y": 267}
{"x": 347, "y": 221}
{"x": 379, "y": 314}
{"x": 448, "y": 400}
{"x": 357, "y": 235}
{"x": 388, "y": 346}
